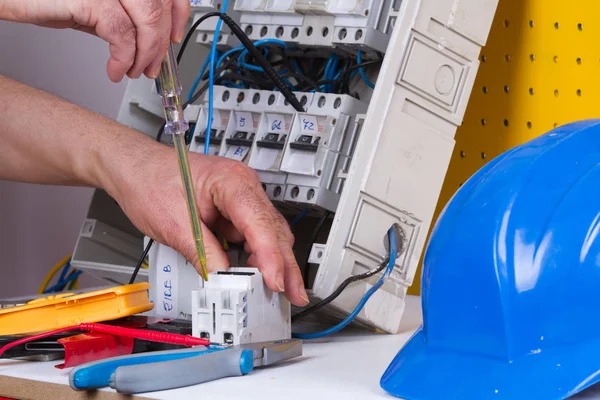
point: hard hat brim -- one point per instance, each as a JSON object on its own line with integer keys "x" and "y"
{"x": 419, "y": 372}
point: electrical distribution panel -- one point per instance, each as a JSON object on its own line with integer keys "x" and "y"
{"x": 371, "y": 158}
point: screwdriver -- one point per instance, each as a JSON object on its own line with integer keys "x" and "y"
{"x": 168, "y": 87}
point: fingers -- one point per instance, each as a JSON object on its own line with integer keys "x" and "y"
{"x": 181, "y": 14}
{"x": 147, "y": 17}
{"x": 241, "y": 203}
{"x": 154, "y": 68}
{"x": 115, "y": 26}
{"x": 229, "y": 232}
{"x": 294, "y": 283}
{"x": 216, "y": 258}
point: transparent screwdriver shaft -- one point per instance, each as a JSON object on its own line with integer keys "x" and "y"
{"x": 169, "y": 88}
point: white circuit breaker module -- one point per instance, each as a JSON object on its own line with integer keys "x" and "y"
{"x": 236, "y": 307}
{"x": 367, "y": 154}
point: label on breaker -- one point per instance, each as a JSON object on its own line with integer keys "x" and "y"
{"x": 245, "y": 122}
{"x": 276, "y": 124}
{"x": 309, "y": 125}
{"x": 167, "y": 283}
{"x": 237, "y": 153}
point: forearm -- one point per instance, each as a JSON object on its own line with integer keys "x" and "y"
{"x": 50, "y": 141}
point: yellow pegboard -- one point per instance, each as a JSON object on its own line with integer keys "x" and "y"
{"x": 540, "y": 69}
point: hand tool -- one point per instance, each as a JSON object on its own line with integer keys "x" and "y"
{"x": 179, "y": 368}
{"x": 229, "y": 362}
{"x": 168, "y": 87}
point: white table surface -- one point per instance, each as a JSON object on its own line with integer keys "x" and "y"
{"x": 344, "y": 366}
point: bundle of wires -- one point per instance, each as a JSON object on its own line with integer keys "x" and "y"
{"x": 65, "y": 280}
{"x": 388, "y": 265}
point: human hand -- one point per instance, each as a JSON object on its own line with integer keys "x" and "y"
{"x": 138, "y": 31}
{"x": 230, "y": 200}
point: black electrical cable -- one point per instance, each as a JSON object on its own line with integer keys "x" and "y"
{"x": 313, "y": 239}
{"x": 303, "y": 78}
{"x": 140, "y": 262}
{"x": 193, "y": 28}
{"x": 339, "y": 290}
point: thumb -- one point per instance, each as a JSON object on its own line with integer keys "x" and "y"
{"x": 216, "y": 258}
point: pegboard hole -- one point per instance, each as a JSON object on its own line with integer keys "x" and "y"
{"x": 248, "y": 30}
{"x": 529, "y": 124}
{"x": 531, "y": 23}
{"x": 325, "y": 31}
{"x": 506, "y": 89}
{"x": 358, "y": 35}
{"x": 309, "y": 31}
{"x": 277, "y": 191}
{"x": 580, "y": 26}
{"x": 303, "y": 101}
{"x": 204, "y": 37}
{"x": 271, "y": 100}
{"x": 483, "y": 122}
{"x": 506, "y": 122}
{"x": 556, "y": 25}
{"x": 579, "y": 60}
{"x": 310, "y": 194}
{"x": 220, "y": 39}
{"x": 462, "y": 154}
{"x": 531, "y": 91}
{"x": 507, "y": 57}
{"x": 225, "y": 96}
{"x": 485, "y": 89}
{"x": 556, "y": 92}
{"x": 280, "y": 31}
{"x": 263, "y": 31}
{"x": 322, "y": 101}
{"x": 343, "y": 33}
{"x": 255, "y": 98}
{"x": 579, "y": 92}
{"x": 295, "y": 33}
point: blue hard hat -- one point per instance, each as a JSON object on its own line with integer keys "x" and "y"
{"x": 511, "y": 280}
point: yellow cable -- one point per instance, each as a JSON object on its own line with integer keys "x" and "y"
{"x": 53, "y": 272}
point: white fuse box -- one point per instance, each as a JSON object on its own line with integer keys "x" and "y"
{"x": 236, "y": 307}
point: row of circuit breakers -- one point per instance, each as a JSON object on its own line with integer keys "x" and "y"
{"x": 302, "y": 158}
{"x": 344, "y": 24}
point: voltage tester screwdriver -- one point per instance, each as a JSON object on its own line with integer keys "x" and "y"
{"x": 168, "y": 87}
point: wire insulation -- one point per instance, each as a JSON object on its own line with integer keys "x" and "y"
{"x": 141, "y": 261}
{"x": 363, "y": 301}
{"x": 53, "y": 272}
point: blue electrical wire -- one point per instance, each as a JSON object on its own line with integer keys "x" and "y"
{"x": 63, "y": 274}
{"x": 363, "y": 301}
{"x": 198, "y": 78}
{"x": 211, "y": 79}
{"x": 299, "y": 217}
{"x": 62, "y": 283}
{"x": 361, "y": 71}
{"x": 242, "y": 56}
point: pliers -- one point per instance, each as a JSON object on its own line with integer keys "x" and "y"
{"x": 165, "y": 370}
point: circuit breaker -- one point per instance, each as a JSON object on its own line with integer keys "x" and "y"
{"x": 235, "y": 307}
{"x": 371, "y": 158}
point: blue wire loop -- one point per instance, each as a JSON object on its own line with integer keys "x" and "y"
{"x": 363, "y": 301}
{"x": 361, "y": 71}
{"x": 211, "y": 79}
{"x": 242, "y": 56}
